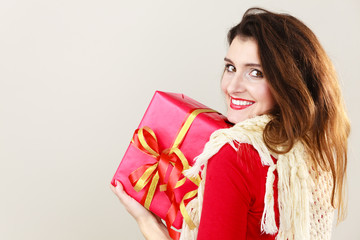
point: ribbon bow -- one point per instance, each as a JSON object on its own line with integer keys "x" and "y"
{"x": 152, "y": 175}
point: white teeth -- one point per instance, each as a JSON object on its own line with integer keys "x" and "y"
{"x": 240, "y": 102}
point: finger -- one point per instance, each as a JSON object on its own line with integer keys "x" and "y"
{"x": 120, "y": 192}
{"x": 118, "y": 188}
{"x": 112, "y": 188}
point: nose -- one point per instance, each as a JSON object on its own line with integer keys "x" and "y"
{"x": 236, "y": 84}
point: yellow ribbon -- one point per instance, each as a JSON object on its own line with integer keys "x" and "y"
{"x": 151, "y": 172}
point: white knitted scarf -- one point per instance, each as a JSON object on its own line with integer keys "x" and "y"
{"x": 300, "y": 218}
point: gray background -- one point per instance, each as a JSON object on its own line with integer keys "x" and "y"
{"x": 76, "y": 77}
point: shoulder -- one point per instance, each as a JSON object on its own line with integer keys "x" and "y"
{"x": 241, "y": 155}
{"x": 238, "y": 165}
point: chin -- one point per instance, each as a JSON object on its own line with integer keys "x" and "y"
{"x": 234, "y": 119}
{"x": 231, "y": 121}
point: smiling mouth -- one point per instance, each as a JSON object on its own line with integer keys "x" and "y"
{"x": 239, "y": 103}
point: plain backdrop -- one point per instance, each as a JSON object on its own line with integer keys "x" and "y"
{"x": 76, "y": 77}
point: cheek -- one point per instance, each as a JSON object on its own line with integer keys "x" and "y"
{"x": 223, "y": 86}
{"x": 268, "y": 99}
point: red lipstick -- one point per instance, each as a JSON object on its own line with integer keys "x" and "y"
{"x": 239, "y": 103}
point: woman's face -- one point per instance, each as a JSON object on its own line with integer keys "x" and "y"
{"x": 246, "y": 89}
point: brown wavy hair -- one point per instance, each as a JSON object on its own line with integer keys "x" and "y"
{"x": 305, "y": 87}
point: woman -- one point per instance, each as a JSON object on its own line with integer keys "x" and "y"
{"x": 280, "y": 171}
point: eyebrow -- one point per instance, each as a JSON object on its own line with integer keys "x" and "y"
{"x": 246, "y": 65}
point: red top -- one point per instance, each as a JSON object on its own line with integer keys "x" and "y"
{"x": 234, "y": 195}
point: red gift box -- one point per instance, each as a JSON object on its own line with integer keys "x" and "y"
{"x": 172, "y": 133}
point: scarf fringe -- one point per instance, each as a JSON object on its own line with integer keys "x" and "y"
{"x": 294, "y": 195}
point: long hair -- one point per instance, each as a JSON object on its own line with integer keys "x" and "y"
{"x": 309, "y": 105}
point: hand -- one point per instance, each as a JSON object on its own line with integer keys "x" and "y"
{"x": 132, "y": 206}
{"x": 150, "y": 224}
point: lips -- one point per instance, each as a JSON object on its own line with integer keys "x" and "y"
{"x": 239, "y": 103}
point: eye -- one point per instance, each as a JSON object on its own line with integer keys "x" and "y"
{"x": 256, "y": 73}
{"x": 230, "y": 68}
